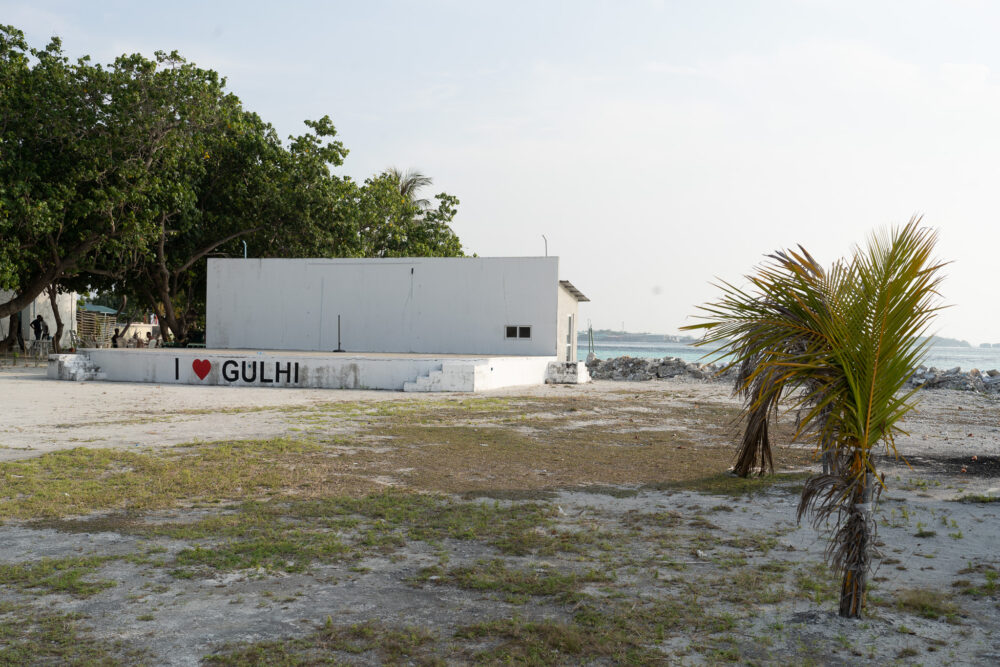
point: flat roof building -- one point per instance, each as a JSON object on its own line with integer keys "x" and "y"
{"x": 512, "y": 306}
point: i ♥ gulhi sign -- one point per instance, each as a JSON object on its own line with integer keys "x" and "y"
{"x": 242, "y": 371}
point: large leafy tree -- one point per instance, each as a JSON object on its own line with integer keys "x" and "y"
{"x": 84, "y": 151}
{"x": 125, "y": 178}
{"x": 839, "y": 344}
{"x": 237, "y": 184}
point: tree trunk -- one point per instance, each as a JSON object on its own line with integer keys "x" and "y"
{"x": 859, "y": 524}
{"x": 45, "y": 277}
{"x": 170, "y": 318}
{"x": 13, "y": 333}
{"x": 53, "y": 299}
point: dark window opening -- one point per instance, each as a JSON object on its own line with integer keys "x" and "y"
{"x": 517, "y": 331}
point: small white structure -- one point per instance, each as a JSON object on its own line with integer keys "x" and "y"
{"x": 425, "y": 305}
{"x": 66, "y": 303}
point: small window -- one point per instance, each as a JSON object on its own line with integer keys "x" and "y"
{"x": 517, "y": 331}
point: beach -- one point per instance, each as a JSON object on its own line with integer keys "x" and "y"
{"x": 581, "y": 524}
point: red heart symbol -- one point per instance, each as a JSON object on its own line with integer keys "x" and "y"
{"x": 201, "y": 367}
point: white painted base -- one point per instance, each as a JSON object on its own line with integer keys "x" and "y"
{"x": 304, "y": 369}
{"x": 567, "y": 372}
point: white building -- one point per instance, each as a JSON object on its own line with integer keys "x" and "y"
{"x": 42, "y": 306}
{"x": 510, "y": 306}
{"x": 410, "y": 324}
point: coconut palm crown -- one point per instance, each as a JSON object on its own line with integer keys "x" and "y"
{"x": 838, "y": 346}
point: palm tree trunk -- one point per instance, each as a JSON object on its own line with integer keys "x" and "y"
{"x": 859, "y": 531}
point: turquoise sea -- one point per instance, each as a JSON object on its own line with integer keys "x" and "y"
{"x": 966, "y": 358}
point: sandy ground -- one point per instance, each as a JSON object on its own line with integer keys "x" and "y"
{"x": 38, "y": 415}
{"x": 41, "y": 415}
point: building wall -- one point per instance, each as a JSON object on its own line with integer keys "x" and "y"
{"x": 300, "y": 369}
{"x": 42, "y": 306}
{"x": 419, "y": 305}
{"x": 568, "y": 307}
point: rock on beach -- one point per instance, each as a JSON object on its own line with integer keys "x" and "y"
{"x": 637, "y": 369}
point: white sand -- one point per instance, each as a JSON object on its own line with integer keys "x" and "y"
{"x": 41, "y": 415}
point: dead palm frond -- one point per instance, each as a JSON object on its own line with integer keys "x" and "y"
{"x": 839, "y": 344}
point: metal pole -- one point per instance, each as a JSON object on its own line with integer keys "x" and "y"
{"x": 244, "y": 250}
{"x": 546, "y": 245}
{"x": 339, "y": 348}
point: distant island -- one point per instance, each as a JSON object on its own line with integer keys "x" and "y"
{"x": 609, "y": 335}
{"x": 941, "y": 341}
{"x": 612, "y": 336}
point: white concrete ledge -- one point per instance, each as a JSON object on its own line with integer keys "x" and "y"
{"x": 411, "y": 372}
{"x": 567, "y": 372}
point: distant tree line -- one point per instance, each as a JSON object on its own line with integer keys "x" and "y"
{"x": 123, "y": 178}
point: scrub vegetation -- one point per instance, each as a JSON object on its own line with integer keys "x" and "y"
{"x": 566, "y": 530}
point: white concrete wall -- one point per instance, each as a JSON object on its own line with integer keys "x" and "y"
{"x": 274, "y": 369}
{"x": 42, "y": 306}
{"x": 568, "y": 305}
{"x": 418, "y": 305}
{"x": 508, "y": 372}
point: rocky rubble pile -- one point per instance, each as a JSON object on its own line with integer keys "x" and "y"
{"x": 634, "y": 369}
{"x": 953, "y": 378}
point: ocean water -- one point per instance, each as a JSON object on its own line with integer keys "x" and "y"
{"x": 942, "y": 357}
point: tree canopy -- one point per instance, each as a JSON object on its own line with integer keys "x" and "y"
{"x": 125, "y": 177}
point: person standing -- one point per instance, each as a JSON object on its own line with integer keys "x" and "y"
{"x": 114, "y": 339}
{"x": 38, "y": 326}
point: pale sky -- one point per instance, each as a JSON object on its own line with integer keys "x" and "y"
{"x": 657, "y": 145}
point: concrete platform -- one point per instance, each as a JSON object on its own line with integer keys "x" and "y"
{"x": 328, "y": 370}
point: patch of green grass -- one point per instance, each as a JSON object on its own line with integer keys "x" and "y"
{"x": 727, "y": 484}
{"x": 978, "y": 498}
{"x": 27, "y": 637}
{"x": 56, "y": 575}
{"x": 664, "y": 519}
{"x": 607, "y": 490}
{"x": 752, "y": 541}
{"x": 80, "y": 481}
{"x": 751, "y": 585}
{"x": 818, "y": 583}
{"x": 494, "y": 575}
{"x": 377, "y": 642}
{"x": 988, "y": 588}
{"x": 532, "y": 642}
{"x": 509, "y": 494}
{"x": 291, "y": 535}
{"x": 288, "y": 551}
{"x": 927, "y": 604}
{"x": 549, "y": 642}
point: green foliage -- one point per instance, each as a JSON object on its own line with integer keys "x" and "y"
{"x": 841, "y": 344}
{"x": 391, "y": 224}
{"x": 388, "y": 645}
{"x": 56, "y": 575}
{"x": 126, "y": 177}
{"x": 494, "y": 575}
{"x": 88, "y": 153}
{"x": 28, "y": 637}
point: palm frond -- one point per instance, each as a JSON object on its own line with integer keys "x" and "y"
{"x": 840, "y": 344}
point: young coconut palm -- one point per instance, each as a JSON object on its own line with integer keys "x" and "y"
{"x": 839, "y": 345}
